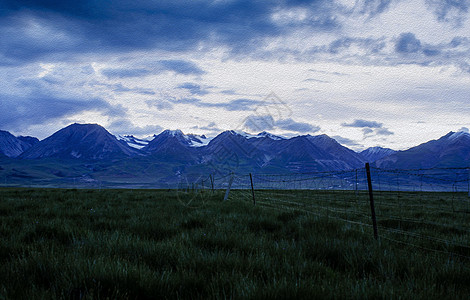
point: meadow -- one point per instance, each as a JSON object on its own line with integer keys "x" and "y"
{"x": 168, "y": 244}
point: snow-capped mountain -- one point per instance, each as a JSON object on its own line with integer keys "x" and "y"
{"x": 83, "y": 141}
{"x": 175, "y": 146}
{"x": 189, "y": 140}
{"x": 134, "y": 142}
{"x": 375, "y": 153}
{"x": 451, "y": 150}
{"x": 12, "y": 146}
{"x": 265, "y": 134}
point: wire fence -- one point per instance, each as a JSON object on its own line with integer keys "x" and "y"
{"x": 427, "y": 209}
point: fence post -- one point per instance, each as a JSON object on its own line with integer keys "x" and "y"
{"x": 229, "y": 186}
{"x": 371, "y": 198}
{"x": 252, "y": 189}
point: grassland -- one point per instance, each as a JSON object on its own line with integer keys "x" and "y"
{"x": 157, "y": 244}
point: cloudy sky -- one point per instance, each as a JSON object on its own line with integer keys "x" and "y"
{"x": 392, "y": 73}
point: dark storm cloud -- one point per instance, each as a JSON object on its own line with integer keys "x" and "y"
{"x": 431, "y": 51}
{"x": 193, "y": 88}
{"x": 291, "y": 125}
{"x": 407, "y": 43}
{"x": 257, "y": 123}
{"x": 177, "y": 66}
{"x": 345, "y": 141}
{"x": 363, "y": 123}
{"x": 341, "y": 45}
{"x": 369, "y": 128}
{"x": 23, "y": 111}
{"x": 58, "y": 30}
{"x": 160, "y": 104}
{"x": 458, "y": 40}
{"x": 449, "y": 10}
{"x": 97, "y": 26}
{"x": 180, "y": 67}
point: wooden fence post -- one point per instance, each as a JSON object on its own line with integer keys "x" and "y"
{"x": 229, "y": 186}
{"x": 252, "y": 189}
{"x": 371, "y": 198}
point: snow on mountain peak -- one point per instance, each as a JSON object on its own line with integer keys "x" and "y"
{"x": 195, "y": 140}
{"x": 175, "y": 132}
{"x": 269, "y": 135}
{"x": 457, "y": 135}
{"x": 259, "y": 135}
{"x": 134, "y": 142}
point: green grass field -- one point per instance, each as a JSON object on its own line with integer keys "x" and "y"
{"x": 157, "y": 244}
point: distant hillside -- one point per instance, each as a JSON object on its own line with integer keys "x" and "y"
{"x": 451, "y": 150}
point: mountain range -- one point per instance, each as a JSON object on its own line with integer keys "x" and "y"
{"x": 89, "y": 152}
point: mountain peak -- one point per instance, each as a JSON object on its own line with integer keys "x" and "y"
{"x": 12, "y": 146}
{"x": 322, "y": 139}
{"x": 175, "y": 132}
{"x": 85, "y": 126}
{"x": 87, "y": 141}
{"x": 375, "y": 153}
{"x": 457, "y": 135}
{"x": 176, "y": 136}
{"x": 269, "y": 135}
